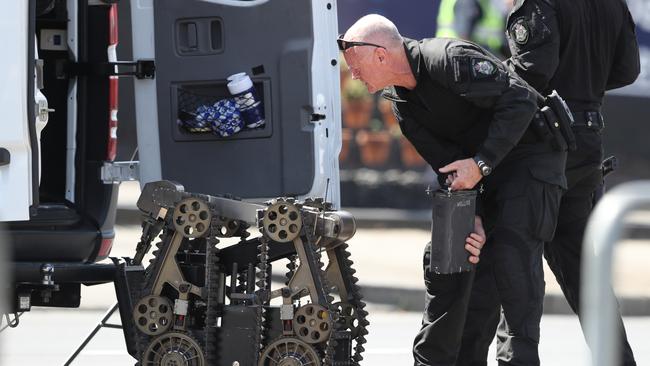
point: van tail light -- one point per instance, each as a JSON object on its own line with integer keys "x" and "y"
{"x": 113, "y": 85}
{"x": 105, "y": 247}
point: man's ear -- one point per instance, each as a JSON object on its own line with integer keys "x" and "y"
{"x": 381, "y": 54}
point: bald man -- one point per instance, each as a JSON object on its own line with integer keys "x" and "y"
{"x": 470, "y": 117}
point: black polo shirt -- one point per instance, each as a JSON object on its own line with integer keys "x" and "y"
{"x": 581, "y": 48}
{"x": 466, "y": 103}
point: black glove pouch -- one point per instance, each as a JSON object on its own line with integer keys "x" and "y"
{"x": 563, "y": 119}
{"x": 452, "y": 222}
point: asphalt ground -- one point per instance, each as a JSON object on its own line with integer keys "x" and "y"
{"x": 49, "y": 337}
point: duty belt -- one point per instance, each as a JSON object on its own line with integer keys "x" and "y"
{"x": 592, "y": 120}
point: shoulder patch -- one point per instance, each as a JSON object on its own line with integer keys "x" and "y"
{"x": 474, "y": 74}
{"x": 482, "y": 68}
{"x": 520, "y": 31}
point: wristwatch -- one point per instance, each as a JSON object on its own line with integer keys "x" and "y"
{"x": 483, "y": 167}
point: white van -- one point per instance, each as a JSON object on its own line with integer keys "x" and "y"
{"x": 60, "y": 73}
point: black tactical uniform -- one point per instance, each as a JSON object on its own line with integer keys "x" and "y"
{"x": 579, "y": 48}
{"x": 468, "y": 104}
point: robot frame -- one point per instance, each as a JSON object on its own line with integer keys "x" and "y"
{"x": 200, "y": 302}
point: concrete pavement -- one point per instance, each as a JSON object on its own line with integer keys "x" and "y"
{"x": 39, "y": 339}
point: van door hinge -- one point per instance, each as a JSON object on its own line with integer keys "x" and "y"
{"x": 141, "y": 69}
{"x": 120, "y": 171}
{"x": 315, "y": 117}
{"x": 5, "y": 156}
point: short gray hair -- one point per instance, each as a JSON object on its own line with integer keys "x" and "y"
{"x": 375, "y": 28}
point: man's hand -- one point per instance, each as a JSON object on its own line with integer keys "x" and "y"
{"x": 475, "y": 240}
{"x": 450, "y": 178}
{"x": 465, "y": 174}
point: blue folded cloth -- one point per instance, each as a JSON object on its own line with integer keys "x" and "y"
{"x": 199, "y": 123}
{"x": 227, "y": 119}
{"x": 223, "y": 118}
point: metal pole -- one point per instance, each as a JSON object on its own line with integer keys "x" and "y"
{"x": 102, "y": 323}
{"x": 604, "y": 229}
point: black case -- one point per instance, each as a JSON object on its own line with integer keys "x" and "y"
{"x": 452, "y": 222}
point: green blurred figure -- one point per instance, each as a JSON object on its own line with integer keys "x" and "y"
{"x": 480, "y": 21}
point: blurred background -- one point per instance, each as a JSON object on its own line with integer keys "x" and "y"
{"x": 379, "y": 168}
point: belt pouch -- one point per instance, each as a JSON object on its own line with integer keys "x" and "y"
{"x": 452, "y": 222}
{"x": 557, "y": 142}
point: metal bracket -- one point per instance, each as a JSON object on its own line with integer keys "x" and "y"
{"x": 315, "y": 117}
{"x": 102, "y": 324}
{"x": 609, "y": 165}
{"x": 141, "y": 69}
{"x": 5, "y": 156}
{"x": 333, "y": 224}
{"x": 11, "y": 323}
{"x": 38, "y": 65}
{"x": 120, "y": 171}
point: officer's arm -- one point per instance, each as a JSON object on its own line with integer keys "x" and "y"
{"x": 513, "y": 110}
{"x": 626, "y": 66}
{"x": 436, "y": 151}
{"x": 487, "y": 83}
{"x": 534, "y": 42}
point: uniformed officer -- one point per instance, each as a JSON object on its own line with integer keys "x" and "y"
{"x": 468, "y": 115}
{"x": 581, "y": 48}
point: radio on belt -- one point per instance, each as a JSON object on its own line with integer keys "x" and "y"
{"x": 452, "y": 222}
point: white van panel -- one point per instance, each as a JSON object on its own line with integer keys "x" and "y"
{"x": 146, "y": 111}
{"x": 16, "y": 177}
{"x": 296, "y": 153}
{"x": 327, "y": 101}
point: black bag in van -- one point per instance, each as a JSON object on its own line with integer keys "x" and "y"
{"x": 452, "y": 222}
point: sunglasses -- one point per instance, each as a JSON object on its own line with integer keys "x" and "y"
{"x": 344, "y": 45}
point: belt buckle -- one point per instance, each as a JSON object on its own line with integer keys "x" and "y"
{"x": 589, "y": 119}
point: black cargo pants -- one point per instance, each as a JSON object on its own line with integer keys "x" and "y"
{"x": 564, "y": 252}
{"x": 446, "y": 299}
{"x": 519, "y": 213}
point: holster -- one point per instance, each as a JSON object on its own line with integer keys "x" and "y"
{"x": 552, "y": 123}
{"x": 540, "y": 128}
{"x": 558, "y": 141}
{"x": 452, "y": 222}
{"x": 563, "y": 118}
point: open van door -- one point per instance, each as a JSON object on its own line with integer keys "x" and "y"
{"x": 18, "y": 137}
{"x": 288, "y": 49}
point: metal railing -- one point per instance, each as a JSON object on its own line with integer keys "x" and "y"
{"x": 604, "y": 229}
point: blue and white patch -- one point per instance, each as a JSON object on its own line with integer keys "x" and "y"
{"x": 519, "y": 31}
{"x": 485, "y": 68}
{"x": 482, "y": 69}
